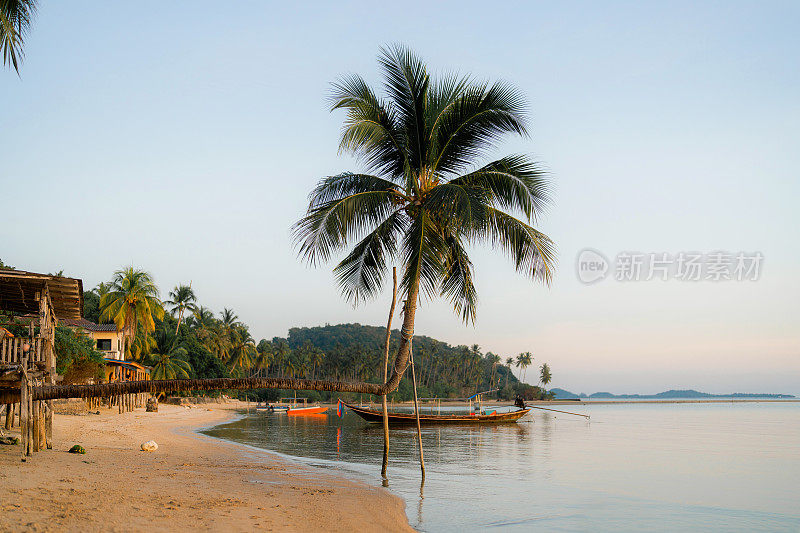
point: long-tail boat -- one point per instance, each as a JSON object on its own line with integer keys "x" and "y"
{"x": 397, "y": 419}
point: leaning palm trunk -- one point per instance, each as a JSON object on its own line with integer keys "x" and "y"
{"x": 180, "y": 319}
{"x": 406, "y": 334}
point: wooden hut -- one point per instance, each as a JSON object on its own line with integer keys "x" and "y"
{"x": 29, "y": 361}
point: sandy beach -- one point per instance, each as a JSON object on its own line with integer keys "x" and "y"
{"x": 191, "y": 481}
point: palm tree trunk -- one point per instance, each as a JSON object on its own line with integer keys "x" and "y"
{"x": 180, "y": 318}
{"x": 386, "y": 375}
{"x": 406, "y": 334}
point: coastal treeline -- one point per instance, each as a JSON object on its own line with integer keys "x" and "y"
{"x": 179, "y": 338}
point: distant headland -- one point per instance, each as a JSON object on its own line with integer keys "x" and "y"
{"x": 562, "y": 394}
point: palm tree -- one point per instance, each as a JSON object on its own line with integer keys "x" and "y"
{"x": 282, "y": 354}
{"x": 242, "y": 348}
{"x": 202, "y": 318}
{"x": 102, "y": 289}
{"x": 207, "y": 329}
{"x": 171, "y": 365}
{"x": 264, "y": 357}
{"x": 317, "y": 360}
{"x": 524, "y": 360}
{"x": 169, "y": 359}
{"x": 544, "y": 375}
{"x": 143, "y": 344}
{"x": 225, "y": 333}
{"x": 509, "y": 362}
{"x": 15, "y": 21}
{"x": 418, "y": 202}
{"x": 527, "y": 359}
{"x": 289, "y": 367}
{"x": 495, "y": 360}
{"x": 182, "y": 297}
{"x": 131, "y": 301}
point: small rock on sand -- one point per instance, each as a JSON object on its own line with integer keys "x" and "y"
{"x": 152, "y": 405}
{"x": 149, "y": 446}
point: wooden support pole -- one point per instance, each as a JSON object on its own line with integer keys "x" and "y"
{"x": 23, "y": 407}
{"x": 42, "y": 427}
{"x": 9, "y": 416}
{"x": 29, "y": 417}
{"x": 416, "y": 413}
{"x": 48, "y": 423}
{"x": 385, "y": 463}
{"x": 48, "y": 416}
{"x": 36, "y": 425}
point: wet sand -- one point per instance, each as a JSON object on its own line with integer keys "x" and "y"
{"x": 191, "y": 482}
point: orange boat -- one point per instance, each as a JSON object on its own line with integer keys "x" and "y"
{"x": 312, "y": 410}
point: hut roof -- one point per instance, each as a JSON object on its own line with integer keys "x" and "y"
{"x": 88, "y": 324}
{"x": 129, "y": 364}
{"x": 18, "y": 291}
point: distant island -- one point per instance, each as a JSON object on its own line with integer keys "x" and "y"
{"x": 561, "y": 394}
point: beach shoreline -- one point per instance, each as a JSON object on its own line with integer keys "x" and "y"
{"x": 192, "y": 481}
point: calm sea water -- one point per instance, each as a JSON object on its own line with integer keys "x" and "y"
{"x": 632, "y": 467}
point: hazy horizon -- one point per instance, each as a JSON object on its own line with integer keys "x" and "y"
{"x": 187, "y": 146}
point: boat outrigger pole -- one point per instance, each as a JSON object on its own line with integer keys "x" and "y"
{"x": 557, "y": 411}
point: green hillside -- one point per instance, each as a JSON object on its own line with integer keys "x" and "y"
{"x": 355, "y": 352}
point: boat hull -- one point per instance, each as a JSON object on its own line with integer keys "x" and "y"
{"x": 315, "y": 410}
{"x": 399, "y": 419}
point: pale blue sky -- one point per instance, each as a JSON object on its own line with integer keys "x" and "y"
{"x": 184, "y": 139}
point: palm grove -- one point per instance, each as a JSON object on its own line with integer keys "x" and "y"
{"x": 179, "y": 338}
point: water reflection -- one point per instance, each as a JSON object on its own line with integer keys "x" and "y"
{"x": 701, "y": 467}
{"x": 421, "y": 499}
